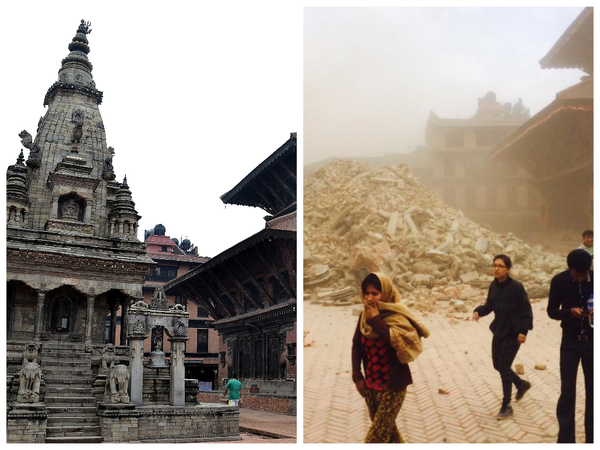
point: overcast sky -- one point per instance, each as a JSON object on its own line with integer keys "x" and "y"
{"x": 195, "y": 97}
{"x": 372, "y": 75}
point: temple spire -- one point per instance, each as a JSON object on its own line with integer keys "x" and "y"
{"x": 75, "y": 73}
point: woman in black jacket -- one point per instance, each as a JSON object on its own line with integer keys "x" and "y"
{"x": 508, "y": 300}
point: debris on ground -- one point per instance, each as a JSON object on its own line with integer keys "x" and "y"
{"x": 359, "y": 219}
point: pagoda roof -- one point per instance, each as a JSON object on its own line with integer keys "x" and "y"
{"x": 557, "y": 141}
{"x": 262, "y": 254}
{"x": 575, "y": 48}
{"x": 272, "y": 184}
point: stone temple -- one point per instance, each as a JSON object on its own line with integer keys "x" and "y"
{"x": 73, "y": 258}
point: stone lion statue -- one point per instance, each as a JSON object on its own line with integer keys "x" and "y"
{"x": 108, "y": 357}
{"x": 30, "y": 375}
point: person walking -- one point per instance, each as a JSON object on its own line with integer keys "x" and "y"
{"x": 387, "y": 338}
{"x": 513, "y": 318}
{"x": 567, "y": 301}
{"x": 234, "y": 387}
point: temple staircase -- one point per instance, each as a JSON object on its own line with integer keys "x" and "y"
{"x": 69, "y": 398}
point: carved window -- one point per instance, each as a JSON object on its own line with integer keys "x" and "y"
{"x": 202, "y": 343}
{"x": 162, "y": 273}
{"x": 258, "y": 359}
{"x": 202, "y": 312}
{"x": 273, "y": 354}
{"x": 245, "y": 366}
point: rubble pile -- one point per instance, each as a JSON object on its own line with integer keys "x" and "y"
{"x": 359, "y": 219}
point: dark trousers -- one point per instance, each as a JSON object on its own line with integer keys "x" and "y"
{"x": 504, "y": 351}
{"x": 571, "y": 352}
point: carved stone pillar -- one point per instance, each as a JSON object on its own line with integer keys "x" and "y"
{"x": 124, "y": 314}
{"x": 39, "y": 318}
{"x": 177, "y": 385}
{"x": 89, "y": 319}
{"x": 136, "y": 366}
{"x": 54, "y": 211}
{"x": 88, "y": 211}
{"x": 113, "y": 323}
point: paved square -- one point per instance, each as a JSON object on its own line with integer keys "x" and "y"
{"x": 457, "y": 359}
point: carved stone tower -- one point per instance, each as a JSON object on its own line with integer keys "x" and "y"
{"x": 72, "y": 248}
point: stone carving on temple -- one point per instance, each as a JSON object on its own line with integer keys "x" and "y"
{"x": 70, "y": 210}
{"x": 109, "y": 171}
{"x": 30, "y": 375}
{"x": 180, "y": 328}
{"x": 159, "y": 299}
{"x": 140, "y": 304}
{"x": 139, "y": 327}
{"x": 77, "y": 119}
{"x": 116, "y": 384}
{"x": 34, "y": 151}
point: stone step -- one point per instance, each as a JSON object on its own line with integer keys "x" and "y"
{"x": 66, "y": 373}
{"x": 70, "y": 362}
{"x": 70, "y": 411}
{"x": 73, "y": 431}
{"x": 75, "y": 440}
{"x": 73, "y": 421}
{"x": 62, "y": 347}
{"x": 69, "y": 401}
{"x": 65, "y": 390}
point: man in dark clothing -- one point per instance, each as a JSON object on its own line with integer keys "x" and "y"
{"x": 569, "y": 292}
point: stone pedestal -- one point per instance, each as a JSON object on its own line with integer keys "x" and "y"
{"x": 26, "y": 423}
{"x": 119, "y": 422}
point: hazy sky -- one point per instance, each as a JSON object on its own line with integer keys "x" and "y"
{"x": 195, "y": 97}
{"x": 372, "y": 75}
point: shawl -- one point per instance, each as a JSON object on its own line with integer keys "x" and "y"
{"x": 405, "y": 330}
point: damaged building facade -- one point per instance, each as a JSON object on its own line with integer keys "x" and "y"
{"x": 74, "y": 260}
{"x": 250, "y": 289}
{"x": 455, "y": 164}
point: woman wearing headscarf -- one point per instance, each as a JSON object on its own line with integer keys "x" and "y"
{"x": 513, "y": 318}
{"x": 387, "y": 338}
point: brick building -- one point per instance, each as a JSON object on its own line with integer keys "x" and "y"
{"x": 455, "y": 163}
{"x": 173, "y": 260}
{"x": 250, "y": 288}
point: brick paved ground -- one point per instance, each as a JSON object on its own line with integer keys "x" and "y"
{"x": 457, "y": 358}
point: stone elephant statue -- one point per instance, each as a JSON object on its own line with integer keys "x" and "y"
{"x": 116, "y": 384}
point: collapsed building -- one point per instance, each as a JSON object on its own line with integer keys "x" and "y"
{"x": 359, "y": 219}
{"x": 74, "y": 260}
{"x": 250, "y": 289}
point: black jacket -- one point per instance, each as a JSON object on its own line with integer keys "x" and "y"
{"x": 565, "y": 293}
{"x": 510, "y": 304}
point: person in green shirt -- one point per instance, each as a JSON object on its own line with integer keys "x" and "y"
{"x": 234, "y": 387}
